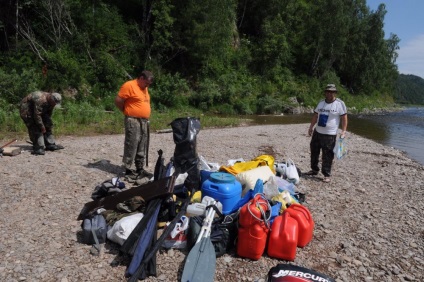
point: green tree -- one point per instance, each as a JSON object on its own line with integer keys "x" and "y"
{"x": 204, "y": 34}
{"x": 220, "y": 55}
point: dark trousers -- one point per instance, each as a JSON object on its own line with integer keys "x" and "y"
{"x": 325, "y": 143}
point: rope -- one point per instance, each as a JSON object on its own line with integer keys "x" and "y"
{"x": 259, "y": 206}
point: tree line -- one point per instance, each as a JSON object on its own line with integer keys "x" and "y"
{"x": 409, "y": 89}
{"x": 226, "y": 56}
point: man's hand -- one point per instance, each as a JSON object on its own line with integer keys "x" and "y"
{"x": 43, "y": 130}
{"x": 119, "y": 102}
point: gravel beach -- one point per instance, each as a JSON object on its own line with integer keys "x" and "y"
{"x": 369, "y": 220}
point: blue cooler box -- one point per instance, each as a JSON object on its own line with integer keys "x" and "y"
{"x": 223, "y": 187}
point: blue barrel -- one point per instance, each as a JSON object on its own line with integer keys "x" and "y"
{"x": 224, "y": 188}
{"x": 204, "y": 175}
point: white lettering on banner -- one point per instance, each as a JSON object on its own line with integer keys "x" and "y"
{"x": 301, "y": 274}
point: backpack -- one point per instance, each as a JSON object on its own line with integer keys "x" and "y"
{"x": 108, "y": 187}
{"x": 94, "y": 231}
{"x": 223, "y": 232}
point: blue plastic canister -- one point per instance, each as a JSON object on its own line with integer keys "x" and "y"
{"x": 204, "y": 175}
{"x": 223, "y": 187}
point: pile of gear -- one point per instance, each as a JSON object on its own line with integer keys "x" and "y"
{"x": 251, "y": 207}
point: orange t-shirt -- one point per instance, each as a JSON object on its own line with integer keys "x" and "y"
{"x": 137, "y": 101}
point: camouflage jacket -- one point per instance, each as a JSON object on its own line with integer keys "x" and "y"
{"x": 36, "y": 107}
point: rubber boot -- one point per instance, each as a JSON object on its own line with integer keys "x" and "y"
{"x": 39, "y": 151}
{"x": 54, "y": 147}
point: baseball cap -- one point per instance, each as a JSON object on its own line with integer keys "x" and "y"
{"x": 57, "y": 99}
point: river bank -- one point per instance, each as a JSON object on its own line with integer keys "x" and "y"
{"x": 402, "y": 129}
{"x": 368, "y": 220}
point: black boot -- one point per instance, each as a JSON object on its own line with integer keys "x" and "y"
{"x": 143, "y": 173}
{"x": 39, "y": 151}
{"x": 54, "y": 147}
{"x": 130, "y": 175}
{"x": 139, "y": 174}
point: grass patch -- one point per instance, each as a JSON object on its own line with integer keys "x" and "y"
{"x": 85, "y": 120}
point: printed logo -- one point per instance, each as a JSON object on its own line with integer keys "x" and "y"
{"x": 304, "y": 276}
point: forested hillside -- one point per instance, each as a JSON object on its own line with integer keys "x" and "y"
{"x": 224, "y": 56}
{"x": 410, "y": 89}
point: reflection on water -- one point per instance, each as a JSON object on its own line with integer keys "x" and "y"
{"x": 369, "y": 127}
{"x": 361, "y": 125}
{"x": 403, "y": 130}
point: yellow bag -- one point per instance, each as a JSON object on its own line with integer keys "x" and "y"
{"x": 268, "y": 159}
{"x": 285, "y": 198}
{"x": 242, "y": 166}
{"x": 262, "y": 160}
{"x": 197, "y": 197}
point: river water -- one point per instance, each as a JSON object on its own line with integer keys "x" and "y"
{"x": 402, "y": 130}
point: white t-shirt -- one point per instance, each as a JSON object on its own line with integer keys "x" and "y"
{"x": 329, "y": 116}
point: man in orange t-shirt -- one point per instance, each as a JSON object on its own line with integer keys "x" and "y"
{"x": 133, "y": 100}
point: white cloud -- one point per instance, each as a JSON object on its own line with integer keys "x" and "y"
{"x": 411, "y": 57}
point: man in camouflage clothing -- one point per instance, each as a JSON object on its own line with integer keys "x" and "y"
{"x": 36, "y": 111}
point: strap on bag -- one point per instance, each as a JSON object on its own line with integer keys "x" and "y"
{"x": 147, "y": 143}
{"x": 95, "y": 249}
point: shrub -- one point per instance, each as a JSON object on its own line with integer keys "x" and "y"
{"x": 269, "y": 105}
{"x": 207, "y": 93}
{"x": 15, "y": 84}
{"x": 243, "y": 107}
{"x": 224, "y": 109}
{"x": 169, "y": 91}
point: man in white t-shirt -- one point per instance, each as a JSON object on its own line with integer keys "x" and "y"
{"x": 328, "y": 115}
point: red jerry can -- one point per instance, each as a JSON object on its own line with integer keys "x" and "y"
{"x": 304, "y": 221}
{"x": 282, "y": 242}
{"x": 253, "y": 229}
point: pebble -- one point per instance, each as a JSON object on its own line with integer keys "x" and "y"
{"x": 366, "y": 227}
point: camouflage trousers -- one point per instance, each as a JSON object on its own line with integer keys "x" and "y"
{"x": 135, "y": 146}
{"x": 325, "y": 143}
{"x": 38, "y": 139}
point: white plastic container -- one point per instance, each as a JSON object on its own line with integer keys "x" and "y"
{"x": 200, "y": 208}
{"x": 207, "y": 199}
{"x": 196, "y": 209}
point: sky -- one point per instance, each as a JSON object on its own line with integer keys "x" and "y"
{"x": 405, "y": 18}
